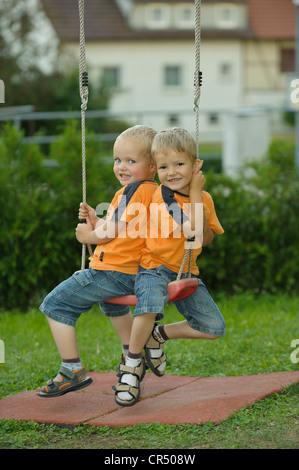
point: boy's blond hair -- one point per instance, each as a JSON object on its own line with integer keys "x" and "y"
{"x": 142, "y": 134}
{"x": 177, "y": 139}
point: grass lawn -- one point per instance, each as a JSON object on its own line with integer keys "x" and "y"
{"x": 258, "y": 340}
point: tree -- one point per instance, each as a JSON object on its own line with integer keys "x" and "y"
{"x": 28, "y": 67}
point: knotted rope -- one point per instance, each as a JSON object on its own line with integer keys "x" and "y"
{"x": 197, "y": 72}
{"x": 83, "y": 89}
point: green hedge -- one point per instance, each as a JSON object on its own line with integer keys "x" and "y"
{"x": 39, "y": 211}
{"x": 39, "y": 205}
{"x": 259, "y": 212}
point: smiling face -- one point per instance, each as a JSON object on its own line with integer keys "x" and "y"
{"x": 174, "y": 170}
{"x": 130, "y": 163}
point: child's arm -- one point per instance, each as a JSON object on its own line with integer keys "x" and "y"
{"x": 104, "y": 231}
{"x": 195, "y": 193}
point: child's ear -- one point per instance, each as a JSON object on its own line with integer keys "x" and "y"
{"x": 197, "y": 164}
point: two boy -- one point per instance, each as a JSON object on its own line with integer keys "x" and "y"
{"x": 159, "y": 257}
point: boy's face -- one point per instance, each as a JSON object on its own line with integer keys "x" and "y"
{"x": 174, "y": 170}
{"x": 130, "y": 164}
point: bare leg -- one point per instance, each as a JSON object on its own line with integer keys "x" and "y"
{"x": 141, "y": 330}
{"x": 123, "y": 327}
{"x": 183, "y": 330}
{"x": 65, "y": 339}
{"x": 71, "y": 376}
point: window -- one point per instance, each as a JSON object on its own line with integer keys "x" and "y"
{"x": 157, "y": 16}
{"x": 225, "y": 70}
{"x": 226, "y": 16}
{"x": 213, "y": 118}
{"x": 111, "y": 77}
{"x": 173, "y": 120}
{"x": 184, "y": 17}
{"x": 287, "y": 60}
{"x": 173, "y": 76}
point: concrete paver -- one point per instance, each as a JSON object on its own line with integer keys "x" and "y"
{"x": 170, "y": 400}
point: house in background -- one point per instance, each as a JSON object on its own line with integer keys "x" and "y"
{"x": 145, "y": 50}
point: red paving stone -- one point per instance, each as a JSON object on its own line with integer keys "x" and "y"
{"x": 170, "y": 400}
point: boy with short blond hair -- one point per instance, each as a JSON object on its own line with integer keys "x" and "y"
{"x": 113, "y": 266}
{"x": 182, "y": 197}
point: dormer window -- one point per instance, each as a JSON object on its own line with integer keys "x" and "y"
{"x": 226, "y": 16}
{"x": 184, "y": 16}
{"x": 158, "y": 16}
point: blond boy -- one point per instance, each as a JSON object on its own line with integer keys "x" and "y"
{"x": 182, "y": 183}
{"x": 114, "y": 265}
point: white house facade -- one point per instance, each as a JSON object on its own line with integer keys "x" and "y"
{"x": 146, "y": 51}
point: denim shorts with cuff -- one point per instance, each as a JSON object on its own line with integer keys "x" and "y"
{"x": 199, "y": 309}
{"x": 82, "y": 290}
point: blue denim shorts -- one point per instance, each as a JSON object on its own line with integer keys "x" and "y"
{"x": 199, "y": 309}
{"x": 82, "y": 290}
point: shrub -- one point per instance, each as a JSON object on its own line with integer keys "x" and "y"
{"x": 39, "y": 205}
{"x": 39, "y": 210}
{"x": 259, "y": 212}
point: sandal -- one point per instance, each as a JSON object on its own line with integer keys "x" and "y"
{"x": 123, "y": 361}
{"x": 134, "y": 391}
{"x": 67, "y": 381}
{"x": 155, "y": 342}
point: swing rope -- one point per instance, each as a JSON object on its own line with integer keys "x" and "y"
{"x": 83, "y": 89}
{"x": 197, "y": 72}
{"x": 197, "y": 91}
{"x": 188, "y": 251}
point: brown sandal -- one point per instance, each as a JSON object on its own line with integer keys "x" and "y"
{"x": 155, "y": 342}
{"x": 134, "y": 391}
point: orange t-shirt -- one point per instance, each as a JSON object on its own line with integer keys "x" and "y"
{"x": 123, "y": 253}
{"x": 166, "y": 242}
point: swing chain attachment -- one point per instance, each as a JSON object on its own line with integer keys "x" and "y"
{"x": 84, "y": 90}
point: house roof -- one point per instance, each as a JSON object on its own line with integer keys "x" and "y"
{"x": 189, "y": 1}
{"x": 272, "y": 19}
{"x": 103, "y": 19}
{"x": 268, "y": 19}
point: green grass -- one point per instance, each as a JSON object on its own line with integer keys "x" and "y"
{"x": 258, "y": 340}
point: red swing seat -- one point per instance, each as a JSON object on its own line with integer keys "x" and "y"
{"x": 177, "y": 290}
